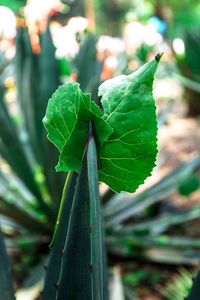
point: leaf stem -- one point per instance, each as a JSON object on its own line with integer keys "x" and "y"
{"x": 60, "y": 210}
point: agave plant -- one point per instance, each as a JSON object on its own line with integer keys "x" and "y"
{"x": 31, "y": 193}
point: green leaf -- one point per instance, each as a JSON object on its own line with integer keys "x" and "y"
{"x": 67, "y": 118}
{"x": 125, "y": 134}
{"x": 77, "y": 266}
{"x": 63, "y": 106}
{"x": 8, "y": 138}
{"x": 56, "y": 258}
{"x": 87, "y": 65}
{"x": 128, "y": 156}
{"x": 98, "y": 257}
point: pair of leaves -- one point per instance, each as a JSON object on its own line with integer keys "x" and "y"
{"x": 67, "y": 117}
{"x": 125, "y": 133}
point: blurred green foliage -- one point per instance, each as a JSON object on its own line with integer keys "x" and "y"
{"x": 13, "y": 4}
{"x": 179, "y": 287}
{"x": 189, "y": 185}
{"x": 111, "y": 15}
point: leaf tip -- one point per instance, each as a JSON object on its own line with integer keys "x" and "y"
{"x": 158, "y": 56}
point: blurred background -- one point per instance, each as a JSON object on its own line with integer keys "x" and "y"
{"x": 153, "y": 236}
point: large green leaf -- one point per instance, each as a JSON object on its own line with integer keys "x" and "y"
{"x": 128, "y": 157}
{"x": 125, "y": 134}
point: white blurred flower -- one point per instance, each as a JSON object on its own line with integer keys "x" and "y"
{"x": 37, "y": 11}
{"x": 112, "y": 62}
{"x": 7, "y": 23}
{"x": 64, "y": 37}
{"x": 136, "y": 34}
{"x": 111, "y": 44}
{"x": 178, "y": 46}
{"x": 78, "y": 24}
{"x": 133, "y": 36}
{"x": 36, "y": 14}
{"x": 152, "y": 37}
{"x": 7, "y": 32}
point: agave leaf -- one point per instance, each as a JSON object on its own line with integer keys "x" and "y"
{"x": 88, "y": 67}
{"x": 17, "y": 203}
{"x": 167, "y": 255}
{"x": 15, "y": 156}
{"x": 20, "y": 216}
{"x": 85, "y": 258}
{"x": 56, "y": 258}
{"x": 77, "y": 265}
{"x": 117, "y": 211}
{"x": 172, "y": 256}
{"x": 34, "y": 88}
{"x": 188, "y": 83}
{"x": 156, "y": 241}
{"x": 48, "y": 65}
{"x": 68, "y": 272}
{"x": 98, "y": 256}
{"x": 161, "y": 223}
{"x": 74, "y": 280}
{"x": 6, "y": 288}
{"x": 28, "y": 78}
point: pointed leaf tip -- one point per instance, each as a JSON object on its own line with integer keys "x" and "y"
{"x": 158, "y": 56}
